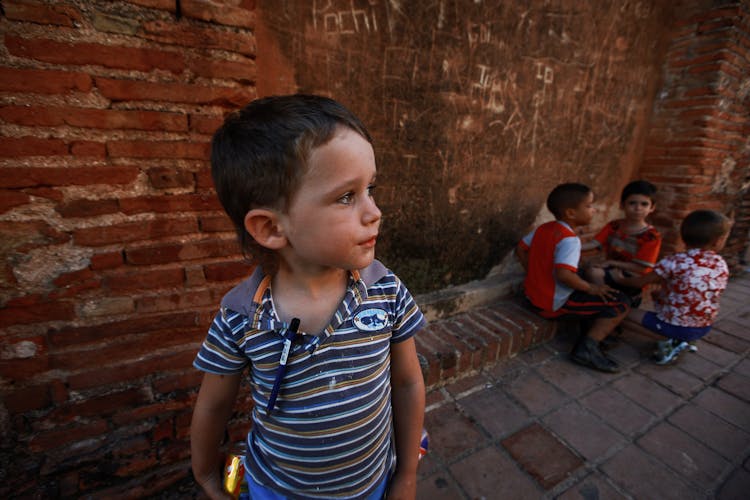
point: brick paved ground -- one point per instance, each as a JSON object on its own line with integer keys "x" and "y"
{"x": 538, "y": 426}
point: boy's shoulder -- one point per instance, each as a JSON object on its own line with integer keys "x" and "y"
{"x": 650, "y": 234}
{"x": 247, "y": 294}
{"x": 557, "y": 230}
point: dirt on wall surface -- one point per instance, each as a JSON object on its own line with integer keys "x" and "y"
{"x": 478, "y": 109}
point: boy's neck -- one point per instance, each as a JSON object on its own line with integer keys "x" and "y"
{"x": 311, "y": 297}
{"x": 636, "y": 224}
{"x": 570, "y": 222}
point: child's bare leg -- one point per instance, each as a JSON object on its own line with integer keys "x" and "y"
{"x": 604, "y": 326}
{"x": 587, "y": 351}
{"x": 594, "y": 274}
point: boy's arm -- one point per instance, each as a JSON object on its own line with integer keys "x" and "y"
{"x": 571, "y": 279}
{"x": 631, "y": 267}
{"x": 637, "y": 281}
{"x": 212, "y": 411}
{"x": 522, "y": 252}
{"x": 590, "y": 245}
{"x": 408, "y": 400}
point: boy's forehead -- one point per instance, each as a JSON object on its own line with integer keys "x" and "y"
{"x": 639, "y": 197}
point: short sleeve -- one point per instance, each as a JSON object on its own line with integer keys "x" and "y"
{"x": 408, "y": 318}
{"x": 525, "y": 242}
{"x": 648, "y": 250}
{"x": 220, "y": 352}
{"x": 664, "y": 268}
{"x": 568, "y": 253}
{"x": 602, "y": 237}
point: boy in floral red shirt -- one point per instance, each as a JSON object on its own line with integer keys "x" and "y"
{"x": 691, "y": 283}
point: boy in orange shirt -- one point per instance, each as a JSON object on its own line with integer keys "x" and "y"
{"x": 629, "y": 244}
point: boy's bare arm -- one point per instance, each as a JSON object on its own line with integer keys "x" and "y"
{"x": 637, "y": 281}
{"x": 587, "y": 246}
{"x": 408, "y": 399}
{"x": 212, "y": 411}
{"x": 523, "y": 256}
{"x": 571, "y": 279}
{"x": 631, "y": 267}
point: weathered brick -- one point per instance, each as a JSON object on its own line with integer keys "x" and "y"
{"x": 133, "y": 370}
{"x": 28, "y": 398}
{"x": 243, "y": 71}
{"x": 166, "y": 177}
{"x": 203, "y": 179}
{"x": 135, "y": 90}
{"x": 32, "y": 146}
{"x": 218, "y": 13}
{"x": 113, "y": 355}
{"x": 226, "y": 271}
{"x": 486, "y": 321}
{"x": 48, "y": 116}
{"x": 159, "y": 149}
{"x": 11, "y": 199}
{"x": 134, "y": 231}
{"x": 66, "y": 279}
{"x": 109, "y": 56}
{"x": 19, "y": 177}
{"x": 192, "y": 36}
{"x": 100, "y": 406}
{"x": 188, "y": 380}
{"x": 133, "y": 281}
{"x": 50, "y": 311}
{"x": 170, "y": 203}
{"x": 168, "y": 5}
{"x": 216, "y": 224}
{"x": 88, "y": 148}
{"x": 47, "y": 440}
{"x": 70, "y": 336}
{"x": 22, "y": 236}
{"x": 59, "y": 15}
{"x": 205, "y": 124}
{"x": 42, "y": 81}
{"x": 87, "y": 208}
{"x": 159, "y": 254}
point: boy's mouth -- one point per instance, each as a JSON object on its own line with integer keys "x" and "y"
{"x": 369, "y": 243}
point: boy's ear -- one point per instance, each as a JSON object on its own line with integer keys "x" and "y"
{"x": 569, "y": 213}
{"x": 263, "y": 225}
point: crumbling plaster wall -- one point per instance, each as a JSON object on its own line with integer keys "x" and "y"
{"x": 478, "y": 110}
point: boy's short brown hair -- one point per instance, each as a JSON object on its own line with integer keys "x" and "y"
{"x": 566, "y": 196}
{"x": 261, "y": 151}
{"x": 701, "y": 228}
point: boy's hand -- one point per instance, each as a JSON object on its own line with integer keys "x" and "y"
{"x": 616, "y": 274}
{"x": 602, "y": 291}
{"x": 214, "y": 488}
{"x": 403, "y": 486}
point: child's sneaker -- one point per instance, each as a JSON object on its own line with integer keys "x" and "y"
{"x": 668, "y": 350}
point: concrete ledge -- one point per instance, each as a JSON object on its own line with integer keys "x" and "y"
{"x": 457, "y": 299}
{"x": 462, "y": 344}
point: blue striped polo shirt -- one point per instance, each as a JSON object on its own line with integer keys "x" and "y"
{"x": 330, "y": 432}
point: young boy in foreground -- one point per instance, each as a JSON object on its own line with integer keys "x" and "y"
{"x": 550, "y": 255}
{"x": 630, "y": 244}
{"x": 691, "y": 283}
{"x": 296, "y": 175}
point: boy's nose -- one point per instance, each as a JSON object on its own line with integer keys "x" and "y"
{"x": 371, "y": 212}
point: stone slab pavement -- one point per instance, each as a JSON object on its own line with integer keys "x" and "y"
{"x": 539, "y": 426}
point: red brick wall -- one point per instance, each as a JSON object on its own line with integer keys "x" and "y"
{"x": 114, "y": 249}
{"x": 697, "y": 150}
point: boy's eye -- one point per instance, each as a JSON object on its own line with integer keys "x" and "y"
{"x": 371, "y": 189}
{"x": 346, "y": 199}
